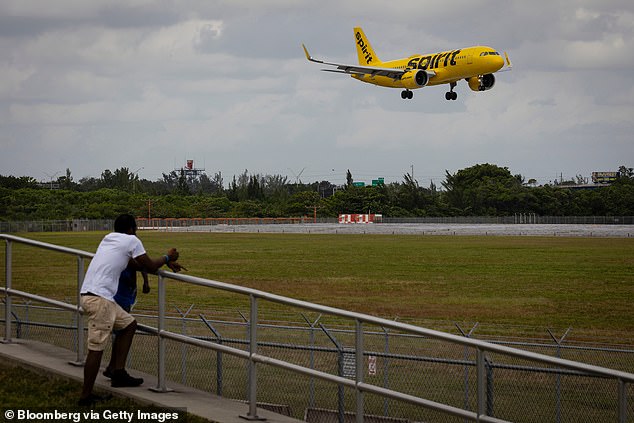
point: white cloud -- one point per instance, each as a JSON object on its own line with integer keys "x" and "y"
{"x": 227, "y": 82}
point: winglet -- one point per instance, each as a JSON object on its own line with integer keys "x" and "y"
{"x": 306, "y": 52}
{"x": 309, "y": 57}
{"x": 508, "y": 61}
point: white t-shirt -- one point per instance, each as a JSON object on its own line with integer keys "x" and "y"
{"x": 112, "y": 257}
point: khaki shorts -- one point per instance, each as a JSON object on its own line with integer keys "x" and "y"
{"x": 103, "y": 317}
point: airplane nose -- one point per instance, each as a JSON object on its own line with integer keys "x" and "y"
{"x": 499, "y": 61}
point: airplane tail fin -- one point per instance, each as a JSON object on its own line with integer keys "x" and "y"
{"x": 367, "y": 56}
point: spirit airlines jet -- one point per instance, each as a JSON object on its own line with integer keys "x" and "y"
{"x": 476, "y": 65}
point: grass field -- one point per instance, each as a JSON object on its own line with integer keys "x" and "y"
{"x": 23, "y": 389}
{"x": 585, "y": 283}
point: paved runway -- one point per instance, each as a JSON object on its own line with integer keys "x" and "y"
{"x": 602, "y": 231}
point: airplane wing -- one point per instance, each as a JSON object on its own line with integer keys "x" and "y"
{"x": 362, "y": 70}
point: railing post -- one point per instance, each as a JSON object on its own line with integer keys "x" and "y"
{"x": 489, "y": 369}
{"x": 7, "y": 296}
{"x": 386, "y": 371}
{"x": 160, "y": 382}
{"x": 253, "y": 349}
{"x": 359, "y": 370}
{"x": 622, "y": 401}
{"x": 78, "y": 314}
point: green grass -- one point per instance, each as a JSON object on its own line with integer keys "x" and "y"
{"x": 545, "y": 282}
{"x": 530, "y": 281}
{"x": 22, "y": 389}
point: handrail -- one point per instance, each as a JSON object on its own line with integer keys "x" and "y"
{"x": 47, "y": 246}
{"x": 358, "y": 384}
{"x": 390, "y": 324}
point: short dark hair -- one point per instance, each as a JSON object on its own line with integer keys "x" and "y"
{"x": 124, "y": 222}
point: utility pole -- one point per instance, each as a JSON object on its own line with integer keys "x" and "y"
{"x": 314, "y": 212}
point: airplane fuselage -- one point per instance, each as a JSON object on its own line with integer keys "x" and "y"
{"x": 448, "y": 66}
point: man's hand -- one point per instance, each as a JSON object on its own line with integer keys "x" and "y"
{"x": 175, "y": 266}
{"x": 172, "y": 254}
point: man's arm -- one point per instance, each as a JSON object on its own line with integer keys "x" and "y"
{"x": 152, "y": 265}
{"x": 146, "y": 282}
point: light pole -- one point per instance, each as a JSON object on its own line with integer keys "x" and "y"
{"x": 52, "y": 176}
{"x": 136, "y": 176}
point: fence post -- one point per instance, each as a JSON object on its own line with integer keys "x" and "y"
{"x": 7, "y": 296}
{"x": 340, "y": 372}
{"x": 481, "y": 381}
{"x": 184, "y": 346}
{"x": 311, "y": 387}
{"x": 218, "y": 356}
{"x": 558, "y": 380}
{"x": 359, "y": 369}
{"x": 466, "y": 367}
{"x": 253, "y": 349}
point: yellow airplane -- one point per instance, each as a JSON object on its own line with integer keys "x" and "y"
{"x": 476, "y": 65}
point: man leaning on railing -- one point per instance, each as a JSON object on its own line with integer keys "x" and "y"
{"x": 104, "y": 314}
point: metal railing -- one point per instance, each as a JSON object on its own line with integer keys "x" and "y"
{"x": 356, "y": 382}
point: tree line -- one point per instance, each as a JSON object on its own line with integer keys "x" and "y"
{"x": 480, "y": 190}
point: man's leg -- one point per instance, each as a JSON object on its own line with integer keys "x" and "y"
{"x": 120, "y": 350}
{"x": 91, "y": 368}
{"x": 110, "y": 366}
{"x": 121, "y": 346}
{"x": 99, "y": 324}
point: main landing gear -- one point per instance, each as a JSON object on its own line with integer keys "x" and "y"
{"x": 451, "y": 95}
{"x": 407, "y": 95}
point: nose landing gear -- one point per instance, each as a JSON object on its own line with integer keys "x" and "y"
{"x": 451, "y": 95}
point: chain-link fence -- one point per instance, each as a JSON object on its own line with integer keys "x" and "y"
{"x": 78, "y": 225}
{"x": 333, "y": 365}
{"x": 516, "y": 389}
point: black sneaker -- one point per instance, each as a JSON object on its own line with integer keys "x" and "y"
{"x": 121, "y": 379}
{"x": 92, "y": 399}
{"x": 107, "y": 373}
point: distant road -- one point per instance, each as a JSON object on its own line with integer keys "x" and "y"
{"x": 620, "y": 231}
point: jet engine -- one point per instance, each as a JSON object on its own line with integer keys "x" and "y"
{"x": 482, "y": 82}
{"x": 415, "y": 79}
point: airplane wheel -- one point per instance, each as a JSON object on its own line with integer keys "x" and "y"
{"x": 403, "y": 95}
{"x": 448, "y": 95}
{"x": 410, "y": 95}
{"x": 454, "y": 96}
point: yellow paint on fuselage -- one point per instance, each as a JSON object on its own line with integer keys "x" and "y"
{"x": 447, "y": 66}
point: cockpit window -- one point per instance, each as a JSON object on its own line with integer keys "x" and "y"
{"x": 489, "y": 53}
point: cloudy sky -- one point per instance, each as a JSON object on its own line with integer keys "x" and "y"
{"x": 148, "y": 84}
